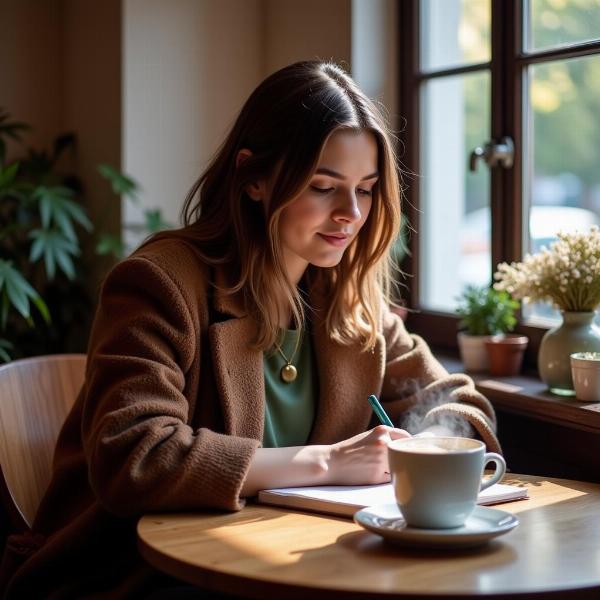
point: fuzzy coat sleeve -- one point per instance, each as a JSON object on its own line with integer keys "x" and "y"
{"x": 417, "y": 390}
{"x": 142, "y": 453}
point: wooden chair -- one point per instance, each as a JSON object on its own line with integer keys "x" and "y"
{"x": 35, "y": 396}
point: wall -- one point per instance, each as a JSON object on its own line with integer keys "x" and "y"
{"x": 188, "y": 65}
{"x": 30, "y": 69}
{"x": 91, "y": 106}
{"x": 375, "y": 53}
{"x": 311, "y": 29}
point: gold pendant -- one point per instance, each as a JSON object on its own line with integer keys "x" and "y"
{"x": 288, "y": 373}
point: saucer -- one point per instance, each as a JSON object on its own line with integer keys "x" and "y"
{"x": 483, "y": 525}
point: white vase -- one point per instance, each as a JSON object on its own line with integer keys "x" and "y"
{"x": 576, "y": 333}
{"x": 473, "y": 352}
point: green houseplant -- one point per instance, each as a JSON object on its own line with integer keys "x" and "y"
{"x": 486, "y": 311}
{"x": 125, "y": 187}
{"x": 487, "y": 315}
{"x": 42, "y": 225}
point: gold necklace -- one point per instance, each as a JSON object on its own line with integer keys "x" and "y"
{"x": 288, "y": 372}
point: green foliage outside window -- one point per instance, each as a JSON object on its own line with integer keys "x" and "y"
{"x": 564, "y": 98}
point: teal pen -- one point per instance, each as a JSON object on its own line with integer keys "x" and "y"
{"x": 378, "y": 410}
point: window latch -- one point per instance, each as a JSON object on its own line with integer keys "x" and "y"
{"x": 494, "y": 154}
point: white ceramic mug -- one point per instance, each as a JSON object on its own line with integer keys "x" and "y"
{"x": 437, "y": 480}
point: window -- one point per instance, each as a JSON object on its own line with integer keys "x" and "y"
{"x": 502, "y": 108}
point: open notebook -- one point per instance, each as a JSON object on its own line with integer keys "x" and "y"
{"x": 344, "y": 500}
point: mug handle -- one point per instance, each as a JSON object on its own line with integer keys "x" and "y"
{"x": 500, "y": 469}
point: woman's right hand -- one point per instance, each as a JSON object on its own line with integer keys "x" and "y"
{"x": 362, "y": 459}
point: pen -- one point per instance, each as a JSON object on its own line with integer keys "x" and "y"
{"x": 378, "y": 410}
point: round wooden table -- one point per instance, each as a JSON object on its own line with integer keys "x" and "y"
{"x": 266, "y": 552}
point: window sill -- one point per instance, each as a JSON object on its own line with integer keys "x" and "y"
{"x": 539, "y": 432}
{"x": 527, "y": 396}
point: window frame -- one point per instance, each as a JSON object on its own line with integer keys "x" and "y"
{"x": 508, "y": 69}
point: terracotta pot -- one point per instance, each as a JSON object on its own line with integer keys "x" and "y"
{"x": 505, "y": 353}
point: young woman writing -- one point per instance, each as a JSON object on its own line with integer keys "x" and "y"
{"x": 238, "y": 352}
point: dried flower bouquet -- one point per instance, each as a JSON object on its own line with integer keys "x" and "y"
{"x": 566, "y": 275}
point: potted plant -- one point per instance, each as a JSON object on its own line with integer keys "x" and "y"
{"x": 487, "y": 315}
{"x": 505, "y": 353}
{"x": 42, "y": 225}
{"x": 585, "y": 368}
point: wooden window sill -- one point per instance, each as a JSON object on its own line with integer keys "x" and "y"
{"x": 527, "y": 396}
{"x": 539, "y": 432}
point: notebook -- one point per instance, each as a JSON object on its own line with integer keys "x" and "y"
{"x": 344, "y": 500}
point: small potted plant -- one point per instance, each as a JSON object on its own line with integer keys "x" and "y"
{"x": 487, "y": 315}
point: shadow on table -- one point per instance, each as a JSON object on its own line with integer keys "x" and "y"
{"x": 372, "y": 545}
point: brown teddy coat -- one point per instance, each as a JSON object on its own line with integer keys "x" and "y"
{"x": 172, "y": 411}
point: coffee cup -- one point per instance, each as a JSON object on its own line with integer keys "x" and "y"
{"x": 436, "y": 480}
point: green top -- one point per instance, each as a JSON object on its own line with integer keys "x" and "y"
{"x": 289, "y": 407}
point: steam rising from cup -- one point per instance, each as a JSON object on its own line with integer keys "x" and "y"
{"x": 414, "y": 419}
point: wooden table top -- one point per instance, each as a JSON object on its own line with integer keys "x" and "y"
{"x": 266, "y": 552}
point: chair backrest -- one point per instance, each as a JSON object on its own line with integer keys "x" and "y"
{"x": 35, "y": 396}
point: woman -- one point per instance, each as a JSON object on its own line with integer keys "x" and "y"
{"x": 238, "y": 352}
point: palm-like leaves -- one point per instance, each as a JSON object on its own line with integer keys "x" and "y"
{"x": 9, "y": 129}
{"x": 16, "y": 291}
{"x": 155, "y": 221}
{"x": 5, "y": 346}
{"x": 110, "y": 244}
{"x": 57, "y": 249}
{"x": 120, "y": 183}
{"x": 33, "y": 212}
{"x": 123, "y": 185}
{"x": 56, "y": 207}
{"x": 39, "y": 221}
{"x": 7, "y": 176}
{"x": 56, "y": 240}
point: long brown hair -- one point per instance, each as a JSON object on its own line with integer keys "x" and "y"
{"x": 285, "y": 123}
